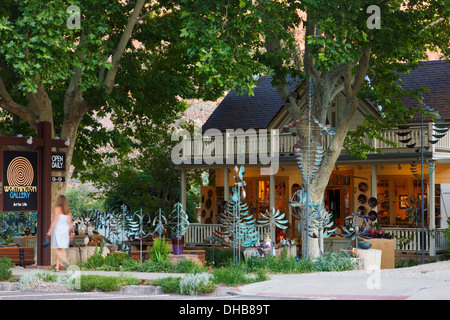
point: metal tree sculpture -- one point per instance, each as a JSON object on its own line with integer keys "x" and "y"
{"x": 136, "y": 227}
{"x": 238, "y": 225}
{"x": 309, "y": 152}
{"x": 159, "y": 222}
{"x": 272, "y": 219}
{"x": 179, "y": 222}
{"x": 439, "y": 131}
{"x": 319, "y": 218}
{"x": 352, "y": 231}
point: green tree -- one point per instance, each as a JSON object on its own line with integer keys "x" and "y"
{"x": 334, "y": 44}
{"x": 148, "y": 180}
{"x": 125, "y": 61}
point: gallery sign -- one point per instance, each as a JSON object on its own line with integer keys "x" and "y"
{"x": 19, "y": 181}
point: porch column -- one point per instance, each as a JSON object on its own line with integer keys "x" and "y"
{"x": 271, "y": 191}
{"x": 226, "y": 185}
{"x": 183, "y": 188}
{"x": 431, "y": 213}
{"x": 374, "y": 183}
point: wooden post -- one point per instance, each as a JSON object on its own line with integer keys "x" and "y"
{"x": 226, "y": 185}
{"x": 44, "y": 143}
{"x": 271, "y": 192}
{"x": 45, "y": 210}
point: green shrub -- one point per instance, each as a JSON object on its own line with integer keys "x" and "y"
{"x": 96, "y": 260}
{"x": 280, "y": 265}
{"x": 115, "y": 260}
{"x": 105, "y": 283}
{"x": 160, "y": 250}
{"x": 194, "y": 284}
{"x": 5, "y": 266}
{"x": 219, "y": 257}
{"x": 188, "y": 266}
{"x": 336, "y": 261}
{"x": 169, "y": 284}
{"x": 232, "y": 275}
{"x": 157, "y": 266}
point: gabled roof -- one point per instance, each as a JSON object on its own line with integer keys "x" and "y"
{"x": 245, "y": 112}
{"x": 435, "y": 75}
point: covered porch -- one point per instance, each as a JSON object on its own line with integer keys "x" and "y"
{"x": 350, "y": 188}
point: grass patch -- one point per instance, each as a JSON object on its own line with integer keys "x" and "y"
{"x": 105, "y": 283}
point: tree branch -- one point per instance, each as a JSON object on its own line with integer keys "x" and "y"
{"x": 308, "y": 60}
{"x": 361, "y": 72}
{"x": 134, "y": 18}
{"x": 7, "y": 103}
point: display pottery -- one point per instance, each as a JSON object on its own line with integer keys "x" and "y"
{"x": 267, "y": 243}
{"x": 365, "y": 245}
{"x": 178, "y": 244}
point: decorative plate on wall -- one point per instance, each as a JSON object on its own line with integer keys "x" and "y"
{"x": 362, "y": 198}
{"x": 362, "y": 186}
{"x": 372, "y": 202}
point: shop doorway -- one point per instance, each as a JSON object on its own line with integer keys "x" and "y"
{"x": 333, "y": 201}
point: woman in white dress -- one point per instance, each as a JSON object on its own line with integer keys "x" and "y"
{"x": 61, "y": 228}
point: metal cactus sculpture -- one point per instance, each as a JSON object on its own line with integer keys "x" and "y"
{"x": 273, "y": 219}
{"x": 238, "y": 226}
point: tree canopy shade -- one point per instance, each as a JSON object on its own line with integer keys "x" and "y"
{"x": 333, "y": 43}
{"x": 126, "y": 60}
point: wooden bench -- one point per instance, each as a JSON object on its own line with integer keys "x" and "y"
{"x": 19, "y": 255}
{"x": 136, "y": 255}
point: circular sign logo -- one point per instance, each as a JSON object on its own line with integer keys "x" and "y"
{"x": 20, "y": 172}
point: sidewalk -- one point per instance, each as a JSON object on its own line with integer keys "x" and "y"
{"x": 348, "y": 286}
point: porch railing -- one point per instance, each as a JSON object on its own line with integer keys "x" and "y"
{"x": 410, "y": 239}
{"x": 406, "y": 239}
{"x": 197, "y": 233}
{"x": 251, "y": 143}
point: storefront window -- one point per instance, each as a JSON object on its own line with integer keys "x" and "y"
{"x": 383, "y": 206}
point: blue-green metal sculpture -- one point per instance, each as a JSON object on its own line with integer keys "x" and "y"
{"x": 136, "y": 227}
{"x": 309, "y": 153}
{"x": 238, "y": 225}
{"x": 320, "y": 220}
{"x": 273, "y": 219}
{"x": 179, "y": 222}
{"x": 159, "y": 222}
{"x": 440, "y": 130}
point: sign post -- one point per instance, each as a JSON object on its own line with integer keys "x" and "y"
{"x": 26, "y": 180}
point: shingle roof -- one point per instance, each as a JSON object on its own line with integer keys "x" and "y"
{"x": 245, "y": 112}
{"x": 435, "y": 75}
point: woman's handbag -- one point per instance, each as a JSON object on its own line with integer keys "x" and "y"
{"x": 46, "y": 242}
